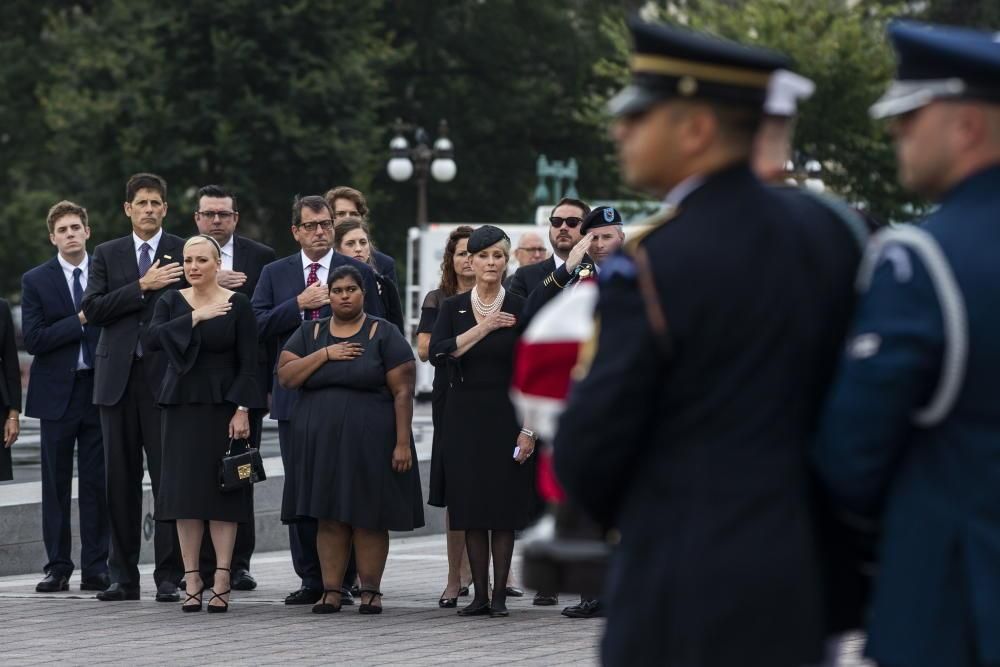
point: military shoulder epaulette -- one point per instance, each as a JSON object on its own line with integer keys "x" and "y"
{"x": 651, "y": 223}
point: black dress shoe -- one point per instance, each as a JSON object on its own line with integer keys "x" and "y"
{"x": 98, "y": 583}
{"x": 545, "y": 599}
{"x": 118, "y": 593}
{"x": 52, "y": 583}
{"x": 514, "y": 592}
{"x": 167, "y": 592}
{"x": 304, "y": 596}
{"x": 243, "y": 581}
{"x": 499, "y": 612}
{"x": 586, "y": 609}
{"x": 346, "y": 597}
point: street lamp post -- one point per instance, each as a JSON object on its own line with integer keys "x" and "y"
{"x": 421, "y": 161}
{"x": 558, "y": 171}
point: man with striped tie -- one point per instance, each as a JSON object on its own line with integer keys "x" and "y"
{"x": 127, "y": 276}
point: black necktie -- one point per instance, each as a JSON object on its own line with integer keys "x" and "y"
{"x": 88, "y": 358}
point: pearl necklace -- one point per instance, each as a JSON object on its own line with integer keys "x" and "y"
{"x": 485, "y": 310}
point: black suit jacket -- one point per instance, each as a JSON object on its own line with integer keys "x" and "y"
{"x": 527, "y": 278}
{"x": 10, "y": 368}
{"x": 53, "y": 334}
{"x": 386, "y": 267}
{"x": 115, "y": 303}
{"x": 250, "y": 257}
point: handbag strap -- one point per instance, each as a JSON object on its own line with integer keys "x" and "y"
{"x": 245, "y": 441}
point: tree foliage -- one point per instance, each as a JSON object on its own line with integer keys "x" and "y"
{"x": 285, "y": 97}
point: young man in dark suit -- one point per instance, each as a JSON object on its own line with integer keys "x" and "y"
{"x": 291, "y": 290}
{"x": 564, "y": 235}
{"x": 346, "y": 202}
{"x": 60, "y": 395}
{"x": 242, "y": 262}
{"x": 127, "y": 277}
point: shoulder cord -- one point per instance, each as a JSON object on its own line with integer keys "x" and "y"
{"x": 953, "y": 314}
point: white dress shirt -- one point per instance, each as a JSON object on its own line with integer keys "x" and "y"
{"x": 321, "y": 273}
{"x": 154, "y": 243}
{"x": 559, "y": 260}
{"x": 68, "y": 274}
{"x": 227, "y": 254}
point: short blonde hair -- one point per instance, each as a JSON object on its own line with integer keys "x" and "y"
{"x": 204, "y": 238}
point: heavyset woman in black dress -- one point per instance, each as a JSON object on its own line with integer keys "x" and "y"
{"x": 210, "y": 338}
{"x": 355, "y": 458}
{"x": 488, "y": 469}
{"x": 457, "y": 277}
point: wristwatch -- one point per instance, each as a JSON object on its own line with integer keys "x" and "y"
{"x": 528, "y": 432}
{"x": 242, "y": 408}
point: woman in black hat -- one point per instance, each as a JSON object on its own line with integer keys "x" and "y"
{"x": 489, "y": 472}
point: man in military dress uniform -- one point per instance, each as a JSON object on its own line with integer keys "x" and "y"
{"x": 911, "y": 434}
{"x": 711, "y": 361}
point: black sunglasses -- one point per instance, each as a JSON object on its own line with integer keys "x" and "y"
{"x": 572, "y": 223}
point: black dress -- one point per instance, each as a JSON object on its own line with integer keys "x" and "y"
{"x": 344, "y": 432}
{"x": 10, "y": 383}
{"x": 211, "y": 370}
{"x": 439, "y": 391}
{"x": 485, "y": 488}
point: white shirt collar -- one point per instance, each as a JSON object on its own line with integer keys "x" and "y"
{"x": 681, "y": 191}
{"x": 559, "y": 260}
{"x": 324, "y": 261}
{"x": 228, "y": 249}
{"x": 154, "y": 242}
{"x": 69, "y": 268}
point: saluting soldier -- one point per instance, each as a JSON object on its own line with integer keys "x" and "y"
{"x": 911, "y": 434}
{"x": 711, "y": 360}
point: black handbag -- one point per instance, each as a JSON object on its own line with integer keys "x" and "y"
{"x": 238, "y": 471}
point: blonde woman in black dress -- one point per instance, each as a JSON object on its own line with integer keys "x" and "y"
{"x": 210, "y": 338}
{"x": 488, "y": 467}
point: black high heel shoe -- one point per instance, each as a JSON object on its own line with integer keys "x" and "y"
{"x": 217, "y": 609}
{"x": 193, "y": 596}
{"x": 476, "y": 609}
{"x": 369, "y": 608}
{"x": 324, "y": 607}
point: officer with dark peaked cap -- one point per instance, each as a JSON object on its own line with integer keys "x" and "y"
{"x": 561, "y": 278}
{"x": 710, "y": 363}
{"x": 911, "y": 433}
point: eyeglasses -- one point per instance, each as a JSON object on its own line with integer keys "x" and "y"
{"x": 572, "y": 223}
{"x": 534, "y": 250}
{"x": 310, "y": 227}
{"x": 224, "y": 216}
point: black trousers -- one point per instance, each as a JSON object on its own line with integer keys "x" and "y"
{"x": 132, "y": 427}
{"x": 246, "y": 534}
{"x": 79, "y": 428}
{"x": 302, "y": 534}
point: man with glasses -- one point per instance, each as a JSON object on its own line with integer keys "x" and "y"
{"x": 568, "y": 249}
{"x": 291, "y": 290}
{"x": 242, "y": 263}
{"x": 530, "y": 249}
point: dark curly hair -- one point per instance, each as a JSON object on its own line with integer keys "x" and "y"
{"x": 449, "y": 279}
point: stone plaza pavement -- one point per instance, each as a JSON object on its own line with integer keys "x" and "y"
{"x": 73, "y": 628}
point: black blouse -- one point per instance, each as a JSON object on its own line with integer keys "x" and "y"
{"x": 213, "y": 362}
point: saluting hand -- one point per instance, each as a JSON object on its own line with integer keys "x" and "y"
{"x": 209, "y": 312}
{"x": 344, "y": 351}
{"x": 579, "y": 250}
{"x": 498, "y": 320}
{"x": 402, "y": 460}
{"x": 158, "y": 277}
